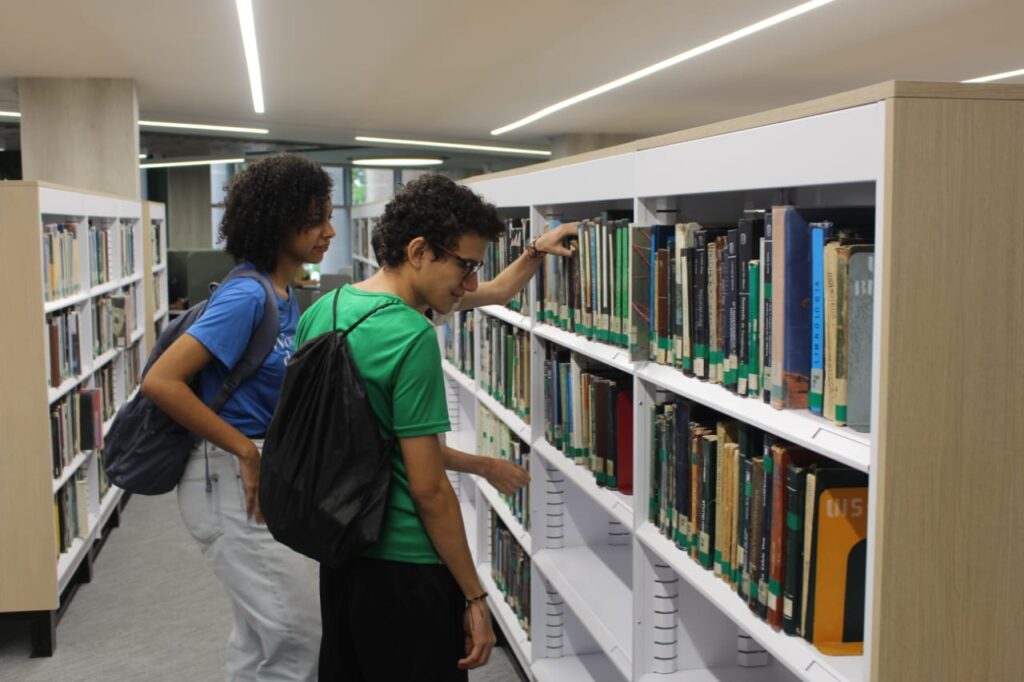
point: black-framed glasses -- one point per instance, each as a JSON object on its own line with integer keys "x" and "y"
{"x": 470, "y": 266}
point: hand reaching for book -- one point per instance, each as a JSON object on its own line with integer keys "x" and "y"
{"x": 552, "y": 240}
{"x": 505, "y": 476}
{"x": 480, "y": 637}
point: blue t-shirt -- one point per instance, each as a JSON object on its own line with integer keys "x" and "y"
{"x": 224, "y": 329}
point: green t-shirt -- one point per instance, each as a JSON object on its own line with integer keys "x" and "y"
{"x": 397, "y": 354}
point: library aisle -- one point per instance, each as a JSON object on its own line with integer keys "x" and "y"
{"x": 154, "y": 611}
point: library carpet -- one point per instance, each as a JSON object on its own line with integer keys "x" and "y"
{"x": 152, "y": 612}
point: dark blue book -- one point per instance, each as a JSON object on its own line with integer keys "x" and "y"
{"x": 791, "y": 290}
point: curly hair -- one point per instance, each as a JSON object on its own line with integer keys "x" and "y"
{"x": 437, "y": 209}
{"x": 268, "y": 202}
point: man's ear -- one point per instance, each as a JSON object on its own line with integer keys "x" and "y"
{"x": 416, "y": 251}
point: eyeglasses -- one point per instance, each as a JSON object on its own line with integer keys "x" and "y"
{"x": 470, "y": 266}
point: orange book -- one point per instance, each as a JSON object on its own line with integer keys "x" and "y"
{"x": 836, "y": 593}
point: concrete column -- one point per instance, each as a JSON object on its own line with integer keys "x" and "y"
{"x": 81, "y": 132}
{"x": 578, "y": 143}
{"x": 189, "y": 219}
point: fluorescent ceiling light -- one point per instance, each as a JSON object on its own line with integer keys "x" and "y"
{"x": 142, "y": 156}
{"x": 199, "y": 162}
{"x": 671, "y": 61}
{"x": 247, "y": 23}
{"x": 454, "y": 145}
{"x": 397, "y": 162}
{"x": 183, "y": 126}
{"x": 203, "y": 126}
{"x": 996, "y": 76}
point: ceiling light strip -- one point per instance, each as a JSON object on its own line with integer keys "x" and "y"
{"x": 247, "y": 23}
{"x": 389, "y": 162}
{"x": 12, "y": 114}
{"x": 203, "y": 126}
{"x": 454, "y": 145}
{"x": 671, "y": 61}
{"x": 996, "y": 76}
{"x": 198, "y": 162}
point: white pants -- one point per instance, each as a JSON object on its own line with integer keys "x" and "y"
{"x": 275, "y": 602}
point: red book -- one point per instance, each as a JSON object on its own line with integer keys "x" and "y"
{"x": 782, "y": 456}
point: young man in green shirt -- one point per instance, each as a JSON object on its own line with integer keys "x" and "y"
{"x": 411, "y": 606}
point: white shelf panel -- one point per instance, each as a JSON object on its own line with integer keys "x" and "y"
{"x": 735, "y": 674}
{"x": 136, "y": 335}
{"x": 572, "y": 668}
{"x": 612, "y": 356}
{"x": 469, "y": 521}
{"x": 159, "y": 268}
{"x": 461, "y": 440}
{"x": 517, "y": 638}
{"x": 69, "y": 561}
{"x": 67, "y": 301}
{"x": 70, "y": 470}
{"x": 107, "y": 424}
{"x": 55, "y": 394}
{"x": 518, "y": 426}
{"x": 799, "y": 427}
{"x": 458, "y": 377}
{"x": 793, "y": 652}
{"x": 615, "y": 503}
{"x": 101, "y": 361}
{"x": 504, "y": 314}
{"x": 584, "y": 578}
{"x": 493, "y": 498}
{"x": 159, "y": 314}
{"x": 106, "y": 287}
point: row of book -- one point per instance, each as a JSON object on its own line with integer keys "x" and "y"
{"x": 134, "y": 362}
{"x": 76, "y": 425}
{"x": 99, "y": 254}
{"x": 156, "y": 238}
{"x": 62, "y": 333}
{"x": 587, "y": 293}
{"x": 589, "y": 416}
{"x": 459, "y": 341}
{"x": 113, "y": 320}
{"x": 495, "y": 439}
{"x": 502, "y": 253}
{"x": 71, "y": 511}
{"x": 784, "y": 527}
{"x": 510, "y": 569}
{"x": 158, "y": 302}
{"x": 505, "y": 364}
{"x": 104, "y": 382}
{"x": 776, "y": 306}
{"x": 61, "y": 272}
{"x": 362, "y": 231}
{"x": 127, "y": 229}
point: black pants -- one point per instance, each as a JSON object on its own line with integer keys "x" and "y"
{"x": 385, "y": 620}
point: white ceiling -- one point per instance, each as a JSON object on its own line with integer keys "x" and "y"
{"x": 459, "y": 68}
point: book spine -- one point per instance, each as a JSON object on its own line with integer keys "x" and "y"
{"x": 795, "y": 478}
{"x": 815, "y": 397}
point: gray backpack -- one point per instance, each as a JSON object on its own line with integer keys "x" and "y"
{"x": 146, "y": 451}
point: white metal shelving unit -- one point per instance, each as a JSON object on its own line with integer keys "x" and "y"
{"x": 657, "y": 615}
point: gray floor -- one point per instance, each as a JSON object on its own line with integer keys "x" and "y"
{"x": 152, "y": 612}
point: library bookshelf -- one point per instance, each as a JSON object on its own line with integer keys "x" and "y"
{"x": 73, "y": 256}
{"x": 363, "y": 219}
{"x": 941, "y": 167}
{"x": 154, "y": 220}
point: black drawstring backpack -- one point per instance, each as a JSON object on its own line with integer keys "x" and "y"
{"x": 325, "y": 469}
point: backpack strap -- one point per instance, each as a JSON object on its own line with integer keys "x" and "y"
{"x": 334, "y": 313}
{"x": 262, "y": 341}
